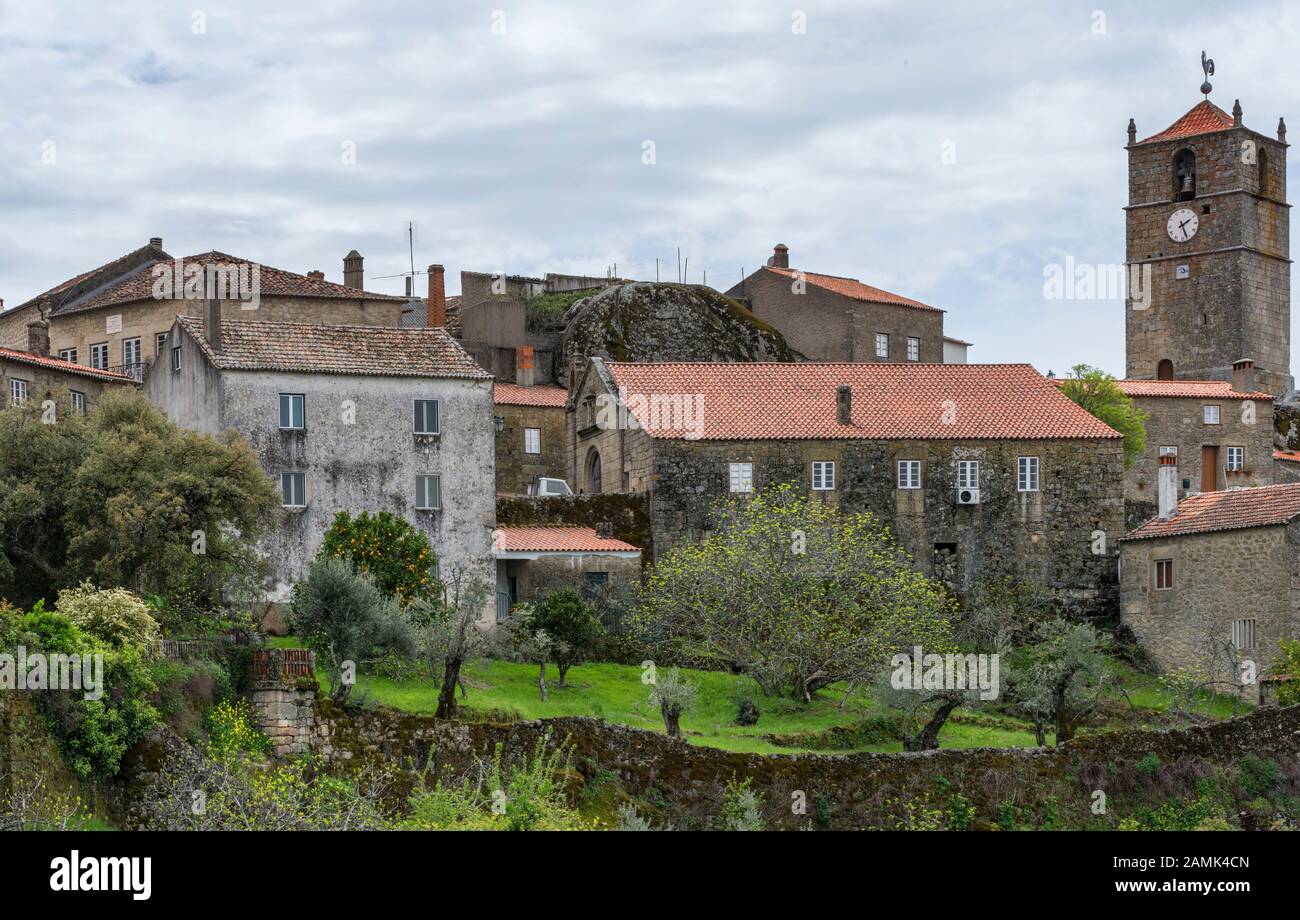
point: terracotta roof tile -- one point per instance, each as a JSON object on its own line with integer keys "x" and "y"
{"x": 1203, "y": 118}
{"x": 1290, "y": 456}
{"x": 379, "y": 351}
{"x": 763, "y": 401}
{"x": 67, "y": 367}
{"x": 852, "y": 287}
{"x": 558, "y": 540}
{"x": 1190, "y": 389}
{"x": 1231, "y": 509}
{"x": 510, "y": 394}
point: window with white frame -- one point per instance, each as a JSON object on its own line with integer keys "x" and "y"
{"x": 17, "y": 391}
{"x": 160, "y": 344}
{"x": 1163, "y": 574}
{"x": 131, "y": 352}
{"x": 99, "y": 356}
{"x": 1236, "y": 459}
{"x": 741, "y": 477}
{"x": 79, "y": 402}
{"x": 426, "y": 416}
{"x": 1168, "y": 452}
{"x": 913, "y": 348}
{"x": 968, "y": 474}
{"x": 1027, "y": 474}
{"x": 176, "y": 358}
{"x": 882, "y": 345}
{"x": 428, "y": 493}
{"x": 1243, "y": 634}
{"x": 1210, "y": 414}
{"x": 293, "y": 490}
{"x": 292, "y": 409}
{"x": 909, "y": 474}
{"x": 823, "y": 475}
{"x": 532, "y": 440}
{"x": 68, "y": 354}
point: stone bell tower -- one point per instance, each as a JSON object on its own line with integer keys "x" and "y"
{"x": 1208, "y": 252}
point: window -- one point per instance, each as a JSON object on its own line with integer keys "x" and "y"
{"x": 292, "y": 406}
{"x": 1027, "y": 474}
{"x": 594, "y": 584}
{"x": 1243, "y": 634}
{"x": 1165, "y": 369}
{"x": 160, "y": 344}
{"x": 882, "y": 345}
{"x": 99, "y": 356}
{"x": 1164, "y": 574}
{"x": 1169, "y": 452}
{"x": 176, "y": 358}
{"x": 428, "y": 493}
{"x": 79, "y": 402}
{"x": 594, "y": 484}
{"x": 130, "y": 351}
{"x": 1236, "y": 459}
{"x": 293, "y": 489}
{"x": 68, "y": 354}
{"x": 426, "y": 416}
{"x": 968, "y": 474}
{"x": 18, "y": 391}
{"x": 1210, "y": 414}
{"x": 823, "y": 476}
{"x": 1184, "y": 176}
{"x": 909, "y": 474}
{"x": 913, "y": 348}
{"x": 742, "y": 477}
{"x": 532, "y": 440}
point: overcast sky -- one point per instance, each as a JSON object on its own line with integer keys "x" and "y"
{"x": 947, "y": 152}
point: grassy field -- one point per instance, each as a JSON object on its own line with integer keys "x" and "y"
{"x": 616, "y": 693}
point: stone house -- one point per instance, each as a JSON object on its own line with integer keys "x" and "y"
{"x": 1213, "y": 581}
{"x": 25, "y": 376}
{"x": 532, "y": 561}
{"x": 1220, "y": 434}
{"x": 345, "y": 418}
{"x": 830, "y": 318}
{"x": 116, "y": 316}
{"x": 979, "y": 470}
{"x": 529, "y": 435}
{"x": 1286, "y": 466}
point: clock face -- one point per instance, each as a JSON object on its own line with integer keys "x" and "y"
{"x": 1182, "y": 225}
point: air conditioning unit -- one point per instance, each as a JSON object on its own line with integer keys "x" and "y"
{"x": 968, "y": 496}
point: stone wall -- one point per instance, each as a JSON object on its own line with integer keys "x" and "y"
{"x": 1218, "y": 577}
{"x": 824, "y": 326}
{"x": 1048, "y": 537}
{"x": 516, "y": 468}
{"x": 286, "y": 715}
{"x": 841, "y": 791}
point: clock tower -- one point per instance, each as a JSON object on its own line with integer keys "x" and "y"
{"x": 1208, "y": 253}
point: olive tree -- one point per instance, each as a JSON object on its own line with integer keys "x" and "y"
{"x": 452, "y": 634}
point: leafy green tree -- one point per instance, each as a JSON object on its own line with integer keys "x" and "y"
{"x": 794, "y": 593}
{"x": 345, "y": 619}
{"x": 452, "y": 634}
{"x": 126, "y": 499}
{"x": 674, "y": 695}
{"x": 1097, "y": 391}
{"x": 1287, "y": 664}
{"x": 1060, "y": 676}
{"x": 389, "y": 549}
{"x": 572, "y": 625}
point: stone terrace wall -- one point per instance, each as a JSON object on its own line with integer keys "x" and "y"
{"x": 848, "y": 790}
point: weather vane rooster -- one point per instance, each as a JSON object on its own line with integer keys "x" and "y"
{"x": 1207, "y": 65}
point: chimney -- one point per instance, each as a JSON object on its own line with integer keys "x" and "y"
{"x": 212, "y": 325}
{"x": 1236, "y": 113}
{"x": 1243, "y": 375}
{"x": 38, "y": 336}
{"x": 437, "y": 296}
{"x": 155, "y": 242}
{"x": 844, "y": 404}
{"x": 1167, "y": 487}
{"x": 353, "y": 272}
{"x": 525, "y": 375}
{"x": 780, "y": 256}
{"x": 316, "y": 275}
{"x": 605, "y": 530}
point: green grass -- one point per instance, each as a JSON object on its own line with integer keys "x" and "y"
{"x": 616, "y": 693}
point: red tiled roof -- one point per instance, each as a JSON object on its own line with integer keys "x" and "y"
{"x": 1203, "y": 118}
{"x": 769, "y": 401}
{"x": 852, "y": 287}
{"x": 67, "y": 367}
{"x": 510, "y": 394}
{"x": 310, "y": 348}
{"x": 559, "y": 540}
{"x": 1190, "y": 389}
{"x": 1290, "y": 456}
{"x": 1231, "y": 509}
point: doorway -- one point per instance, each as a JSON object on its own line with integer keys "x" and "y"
{"x": 1209, "y": 468}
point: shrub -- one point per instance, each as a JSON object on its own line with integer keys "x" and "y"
{"x": 231, "y": 730}
{"x": 114, "y": 615}
{"x": 1149, "y": 766}
{"x": 397, "y": 557}
{"x": 1258, "y": 775}
{"x": 740, "y": 807}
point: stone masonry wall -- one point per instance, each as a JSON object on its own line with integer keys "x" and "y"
{"x": 516, "y": 468}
